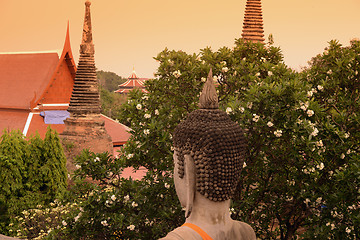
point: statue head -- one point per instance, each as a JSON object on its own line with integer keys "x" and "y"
{"x": 210, "y": 141}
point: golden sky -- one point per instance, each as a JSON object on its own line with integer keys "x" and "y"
{"x": 130, "y": 33}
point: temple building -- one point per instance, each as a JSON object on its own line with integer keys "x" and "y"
{"x": 35, "y": 91}
{"x": 253, "y": 29}
{"x": 133, "y": 82}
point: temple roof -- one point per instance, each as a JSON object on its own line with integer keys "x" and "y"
{"x": 253, "y": 22}
{"x": 24, "y": 78}
{"x": 133, "y": 82}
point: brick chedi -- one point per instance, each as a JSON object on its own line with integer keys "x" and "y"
{"x": 253, "y": 29}
{"x": 85, "y": 127}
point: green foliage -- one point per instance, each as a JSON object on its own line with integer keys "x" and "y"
{"x": 111, "y": 103}
{"x": 32, "y": 172}
{"x": 109, "y": 80}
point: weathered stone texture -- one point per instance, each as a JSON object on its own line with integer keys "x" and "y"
{"x": 253, "y": 22}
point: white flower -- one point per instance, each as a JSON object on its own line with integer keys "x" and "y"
{"x": 77, "y": 166}
{"x": 315, "y": 132}
{"x": 255, "y": 117}
{"x": 145, "y": 97}
{"x": 139, "y": 106}
{"x": 215, "y": 78}
{"x": 228, "y": 110}
{"x": 320, "y": 88}
{"x": 257, "y": 74}
{"x": 134, "y": 204}
{"x": 129, "y": 101}
{"x": 320, "y": 166}
{"x": 147, "y": 115}
{"x": 130, "y": 155}
{"x": 278, "y": 133}
{"x": 342, "y": 156}
{"x": 270, "y": 73}
{"x": 146, "y": 131}
{"x": 156, "y": 112}
{"x": 310, "y": 113}
{"x": 167, "y": 185}
{"x": 225, "y": 69}
{"x": 241, "y": 109}
{"x": 162, "y": 196}
{"x": 77, "y": 217}
{"x": 131, "y": 227}
{"x": 244, "y": 165}
{"x": 223, "y": 63}
{"x": 203, "y": 79}
{"x": 348, "y": 230}
{"x": 347, "y": 135}
{"x": 97, "y": 159}
{"x": 320, "y": 143}
{"x": 177, "y": 74}
{"x": 63, "y": 223}
{"x": 104, "y": 223}
{"x": 309, "y": 93}
{"x": 270, "y": 124}
{"x": 126, "y": 198}
{"x": 113, "y": 197}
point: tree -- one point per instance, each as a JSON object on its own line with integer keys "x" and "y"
{"x": 33, "y": 173}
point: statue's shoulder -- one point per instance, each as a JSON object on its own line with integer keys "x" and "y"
{"x": 246, "y": 231}
{"x": 181, "y": 233}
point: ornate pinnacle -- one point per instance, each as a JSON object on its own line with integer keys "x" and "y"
{"x": 87, "y": 46}
{"x": 208, "y": 97}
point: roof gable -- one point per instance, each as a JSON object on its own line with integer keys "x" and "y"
{"x": 24, "y": 77}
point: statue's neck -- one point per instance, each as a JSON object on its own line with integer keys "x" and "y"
{"x": 206, "y": 211}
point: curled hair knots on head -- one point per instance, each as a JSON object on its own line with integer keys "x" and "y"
{"x": 217, "y": 146}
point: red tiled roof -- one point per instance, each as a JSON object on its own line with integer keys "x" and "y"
{"x": 37, "y": 124}
{"x": 24, "y": 77}
{"x": 118, "y": 132}
{"x": 12, "y": 119}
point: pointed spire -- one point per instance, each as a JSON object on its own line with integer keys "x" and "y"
{"x": 208, "y": 97}
{"x": 85, "y": 98}
{"x": 87, "y": 45}
{"x": 253, "y": 29}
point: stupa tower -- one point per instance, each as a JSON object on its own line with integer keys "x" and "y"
{"x": 253, "y": 29}
{"x": 85, "y": 128}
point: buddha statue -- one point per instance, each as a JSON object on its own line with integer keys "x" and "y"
{"x": 208, "y": 158}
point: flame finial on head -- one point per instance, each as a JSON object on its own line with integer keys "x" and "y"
{"x": 208, "y": 97}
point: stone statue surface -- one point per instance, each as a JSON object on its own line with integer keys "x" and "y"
{"x": 208, "y": 158}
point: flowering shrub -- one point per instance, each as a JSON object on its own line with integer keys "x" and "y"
{"x": 33, "y": 172}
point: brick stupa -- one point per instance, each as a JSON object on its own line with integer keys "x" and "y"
{"x": 85, "y": 127}
{"x": 253, "y": 29}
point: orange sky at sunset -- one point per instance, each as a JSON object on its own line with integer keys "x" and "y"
{"x": 130, "y": 33}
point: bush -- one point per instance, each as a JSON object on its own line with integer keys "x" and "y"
{"x": 33, "y": 173}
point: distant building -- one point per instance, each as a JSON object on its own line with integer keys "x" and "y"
{"x": 35, "y": 91}
{"x": 133, "y": 82}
